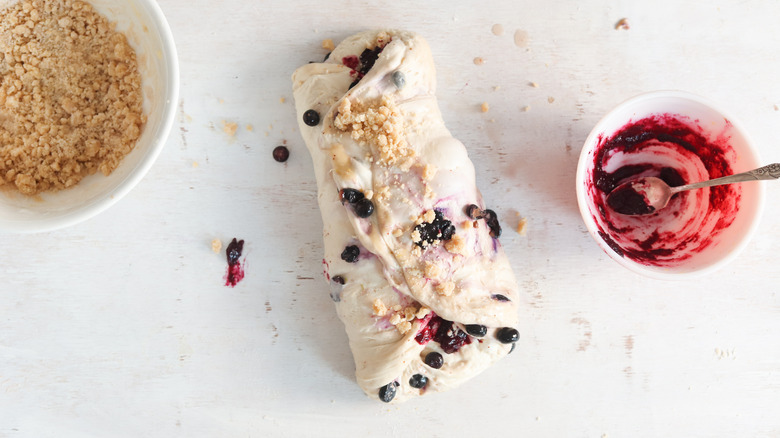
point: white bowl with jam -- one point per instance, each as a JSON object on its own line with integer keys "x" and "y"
{"x": 680, "y": 138}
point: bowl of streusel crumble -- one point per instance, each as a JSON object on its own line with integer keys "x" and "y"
{"x": 88, "y": 94}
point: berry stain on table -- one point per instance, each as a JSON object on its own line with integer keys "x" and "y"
{"x": 235, "y": 271}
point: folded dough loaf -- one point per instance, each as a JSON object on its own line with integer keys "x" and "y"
{"x": 416, "y": 270}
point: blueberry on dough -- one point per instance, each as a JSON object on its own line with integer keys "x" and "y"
{"x": 418, "y": 381}
{"x": 387, "y": 392}
{"x": 350, "y": 196}
{"x": 311, "y": 118}
{"x": 434, "y": 360}
{"x": 363, "y": 208}
{"x": 399, "y": 80}
{"x": 476, "y": 330}
{"x": 507, "y": 335}
{"x": 350, "y": 254}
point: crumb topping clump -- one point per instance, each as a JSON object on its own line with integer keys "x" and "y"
{"x": 401, "y": 317}
{"x": 379, "y": 124}
{"x": 70, "y": 95}
{"x": 456, "y": 245}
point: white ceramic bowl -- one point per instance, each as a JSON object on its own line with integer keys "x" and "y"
{"x": 629, "y": 240}
{"x": 143, "y": 23}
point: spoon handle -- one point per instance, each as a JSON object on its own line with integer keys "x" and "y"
{"x": 770, "y": 171}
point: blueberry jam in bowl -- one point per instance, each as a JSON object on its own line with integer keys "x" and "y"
{"x": 680, "y": 138}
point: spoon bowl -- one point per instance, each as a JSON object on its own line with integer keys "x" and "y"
{"x": 649, "y": 194}
{"x": 640, "y": 196}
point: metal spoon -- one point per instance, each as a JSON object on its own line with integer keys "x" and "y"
{"x": 649, "y": 194}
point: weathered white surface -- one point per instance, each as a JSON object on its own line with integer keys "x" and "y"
{"x": 122, "y": 326}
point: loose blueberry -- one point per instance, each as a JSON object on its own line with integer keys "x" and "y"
{"x": 476, "y": 330}
{"x": 387, "y": 392}
{"x": 281, "y": 154}
{"x": 311, "y": 117}
{"x": 350, "y": 195}
{"x": 233, "y": 251}
{"x": 434, "y": 360}
{"x": 399, "y": 80}
{"x": 364, "y": 208}
{"x": 499, "y": 297}
{"x": 507, "y": 335}
{"x": 418, "y": 381}
{"x": 337, "y": 279}
{"x": 350, "y": 254}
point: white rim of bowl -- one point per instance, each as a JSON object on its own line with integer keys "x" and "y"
{"x": 144, "y": 165}
{"x": 655, "y": 272}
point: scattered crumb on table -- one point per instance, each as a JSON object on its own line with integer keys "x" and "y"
{"x": 550, "y": 99}
{"x": 216, "y": 245}
{"x": 533, "y": 84}
{"x": 522, "y": 225}
{"x": 229, "y": 128}
{"x": 479, "y": 60}
{"x": 521, "y": 38}
{"x": 485, "y": 107}
{"x": 622, "y": 24}
{"x": 497, "y": 29}
{"x": 327, "y": 44}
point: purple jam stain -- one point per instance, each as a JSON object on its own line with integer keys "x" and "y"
{"x": 445, "y": 333}
{"x": 235, "y": 272}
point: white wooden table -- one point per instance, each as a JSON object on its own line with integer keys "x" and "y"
{"x": 122, "y": 325}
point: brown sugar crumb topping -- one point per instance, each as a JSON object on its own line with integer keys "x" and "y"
{"x": 445, "y": 288}
{"x": 429, "y": 171}
{"x": 70, "y": 95}
{"x": 456, "y": 245}
{"x": 380, "y": 309}
{"x": 379, "y": 124}
{"x": 402, "y": 317}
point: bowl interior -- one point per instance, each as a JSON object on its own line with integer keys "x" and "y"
{"x": 148, "y": 33}
{"x": 725, "y": 245}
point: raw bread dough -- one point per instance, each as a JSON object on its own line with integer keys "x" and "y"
{"x": 423, "y": 261}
